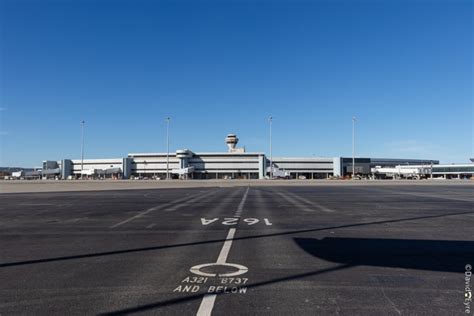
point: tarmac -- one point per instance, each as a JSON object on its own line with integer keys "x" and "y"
{"x": 31, "y": 186}
{"x": 236, "y": 248}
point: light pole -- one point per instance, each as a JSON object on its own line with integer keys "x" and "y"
{"x": 82, "y": 147}
{"x": 270, "y": 119}
{"x": 168, "y": 148}
{"x": 353, "y": 146}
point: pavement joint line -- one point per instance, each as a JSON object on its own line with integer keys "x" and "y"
{"x": 155, "y": 208}
{"x": 422, "y": 194}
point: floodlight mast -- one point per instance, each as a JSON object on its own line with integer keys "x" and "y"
{"x": 270, "y": 119}
{"x": 82, "y": 147}
{"x": 353, "y": 146}
{"x": 168, "y": 148}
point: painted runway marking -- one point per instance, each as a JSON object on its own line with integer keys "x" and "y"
{"x": 229, "y": 221}
{"x": 240, "y": 270}
{"x": 319, "y": 206}
{"x": 307, "y": 205}
{"x": 208, "y": 221}
{"x": 207, "y": 303}
{"x": 188, "y": 202}
{"x": 158, "y": 207}
{"x": 137, "y": 216}
{"x": 151, "y": 225}
{"x": 226, "y": 248}
{"x": 295, "y": 203}
{"x": 240, "y": 208}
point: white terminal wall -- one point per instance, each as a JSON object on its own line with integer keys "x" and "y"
{"x": 304, "y": 165}
{"x": 208, "y": 162}
{"x": 226, "y": 162}
{"x": 217, "y": 162}
{"x": 153, "y": 162}
{"x": 96, "y": 164}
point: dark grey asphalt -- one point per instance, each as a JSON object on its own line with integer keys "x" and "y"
{"x": 348, "y": 250}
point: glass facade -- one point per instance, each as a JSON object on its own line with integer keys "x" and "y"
{"x": 467, "y": 169}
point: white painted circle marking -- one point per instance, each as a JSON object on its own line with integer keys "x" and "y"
{"x": 240, "y": 269}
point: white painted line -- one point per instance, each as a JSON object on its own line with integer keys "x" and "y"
{"x": 157, "y": 208}
{"x": 151, "y": 225}
{"x": 294, "y": 199}
{"x": 241, "y": 204}
{"x": 207, "y": 304}
{"x": 319, "y": 206}
{"x": 295, "y": 203}
{"x": 226, "y": 248}
{"x": 187, "y": 202}
{"x": 240, "y": 270}
{"x": 137, "y": 216}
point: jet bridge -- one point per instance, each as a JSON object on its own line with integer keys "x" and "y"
{"x": 399, "y": 172}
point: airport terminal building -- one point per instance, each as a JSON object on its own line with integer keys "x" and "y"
{"x": 235, "y": 163}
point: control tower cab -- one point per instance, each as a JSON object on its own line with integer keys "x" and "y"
{"x": 184, "y": 155}
{"x": 231, "y": 140}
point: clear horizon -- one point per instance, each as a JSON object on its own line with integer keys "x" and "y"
{"x": 403, "y": 68}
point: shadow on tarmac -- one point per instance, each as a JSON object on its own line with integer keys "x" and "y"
{"x": 443, "y": 255}
{"x": 146, "y": 307}
{"x": 350, "y": 252}
{"x": 433, "y": 255}
{"x": 125, "y": 251}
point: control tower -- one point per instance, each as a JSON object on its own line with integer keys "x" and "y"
{"x": 231, "y": 140}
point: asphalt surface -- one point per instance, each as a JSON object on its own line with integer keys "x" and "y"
{"x": 323, "y": 250}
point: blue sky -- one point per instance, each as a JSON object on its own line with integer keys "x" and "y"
{"x": 403, "y": 68}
